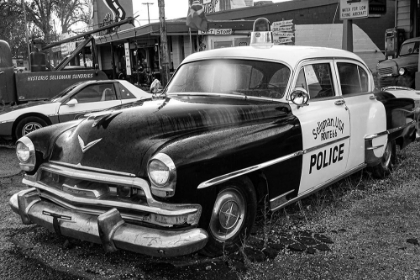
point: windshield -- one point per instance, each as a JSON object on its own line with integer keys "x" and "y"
{"x": 232, "y": 76}
{"x": 409, "y": 48}
{"x": 64, "y": 92}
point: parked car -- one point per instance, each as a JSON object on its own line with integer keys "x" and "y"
{"x": 72, "y": 102}
{"x": 185, "y": 172}
{"x": 400, "y": 71}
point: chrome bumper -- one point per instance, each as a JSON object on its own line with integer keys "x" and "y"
{"x": 108, "y": 228}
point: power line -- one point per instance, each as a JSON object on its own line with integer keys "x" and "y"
{"x": 148, "y": 4}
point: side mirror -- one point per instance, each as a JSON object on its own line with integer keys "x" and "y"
{"x": 72, "y": 102}
{"x": 300, "y": 97}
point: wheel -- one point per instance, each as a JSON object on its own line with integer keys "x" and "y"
{"x": 28, "y": 125}
{"x": 384, "y": 168}
{"x": 232, "y": 217}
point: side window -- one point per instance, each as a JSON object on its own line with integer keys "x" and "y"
{"x": 353, "y": 79}
{"x": 96, "y": 93}
{"x": 319, "y": 80}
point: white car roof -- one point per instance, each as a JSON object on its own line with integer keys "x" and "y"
{"x": 290, "y": 55}
{"x": 139, "y": 93}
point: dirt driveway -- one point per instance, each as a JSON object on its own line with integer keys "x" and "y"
{"x": 359, "y": 228}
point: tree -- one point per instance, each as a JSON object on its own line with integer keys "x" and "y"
{"x": 12, "y": 26}
{"x": 70, "y": 12}
{"x": 40, "y": 13}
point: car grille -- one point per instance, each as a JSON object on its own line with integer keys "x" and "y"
{"x": 385, "y": 71}
{"x": 95, "y": 191}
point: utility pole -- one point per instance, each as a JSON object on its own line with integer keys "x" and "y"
{"x": 164, "y": 44}
{"x": 26, "y": 34}
{"x": 148, "y": 4}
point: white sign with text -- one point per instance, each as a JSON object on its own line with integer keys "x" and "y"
{"x": 354, "y": 9}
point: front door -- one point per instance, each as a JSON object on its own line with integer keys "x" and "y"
{"x": 91, "y": 98}
{"x": 325, "y": 126}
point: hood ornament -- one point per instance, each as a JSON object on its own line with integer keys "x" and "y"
{"x": 88, "y": 146}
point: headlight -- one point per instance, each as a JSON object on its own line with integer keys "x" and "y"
{"x": 162, "y": 174}
{"x": 25, "y": 152}
{"x": 401, "y": 71}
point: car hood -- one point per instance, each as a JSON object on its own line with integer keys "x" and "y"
{"x": 124, "y": 140}
{"x": 403, "y": 61}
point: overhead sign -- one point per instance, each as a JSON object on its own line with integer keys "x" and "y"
{"x": 354, "y": 9}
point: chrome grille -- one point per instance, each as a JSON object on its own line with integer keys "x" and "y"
{"x": 91, "y": 189}
{"x": 385, "y": 71}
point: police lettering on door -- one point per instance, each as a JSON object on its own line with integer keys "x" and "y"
{"x": 326, "y": 157}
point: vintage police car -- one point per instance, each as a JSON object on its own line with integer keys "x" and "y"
{"x": 185, "y": 172}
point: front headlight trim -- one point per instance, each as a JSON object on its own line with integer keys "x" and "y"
{"x": 29, "y": 163}
{"x": 166, "y": 188}
{"x": 401, "y": 71}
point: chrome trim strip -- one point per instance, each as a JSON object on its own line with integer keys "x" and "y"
{"x": 375, "y": 147}
{"x": 281, "y": 196}
{"x": 7, "y": 121}
{"x": 226, "y": 177}
{"x": 386, "y": 132}
{"x": 235, "y": 174}
{"x": 376, "y": 135}
{"x": 324, "y": 145}
{"x": 94, "y": 169}
{"x": 321, "y": 186}
{"x": 401, "y": 127}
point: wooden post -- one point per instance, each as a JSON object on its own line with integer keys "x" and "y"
{"x": 114, "y": 74}
{"x": 348, "y": 35}
{"x": 164, "y": 44}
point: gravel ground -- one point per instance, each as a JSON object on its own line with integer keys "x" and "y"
{"x": 370, "y": 230}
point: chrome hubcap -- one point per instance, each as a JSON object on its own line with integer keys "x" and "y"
{"x": 228, "y": 214}
{"x": 29, "y": 127}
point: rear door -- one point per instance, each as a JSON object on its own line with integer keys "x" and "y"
{"x": 325, "y": 125}
{"x": 367, "y": 115}
{"x": 94, "y": 97}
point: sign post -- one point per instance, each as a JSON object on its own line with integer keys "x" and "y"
{"x": 349, "y": 10}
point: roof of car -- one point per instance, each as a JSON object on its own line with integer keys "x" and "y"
{"x": 412, "y": 40}
{"x": 288, "y": 54}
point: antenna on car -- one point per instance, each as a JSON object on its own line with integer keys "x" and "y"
{"x": 261, "y": 35}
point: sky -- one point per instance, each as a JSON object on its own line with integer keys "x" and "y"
{"x": 173, "y": 9}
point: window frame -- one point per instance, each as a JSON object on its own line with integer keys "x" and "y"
{"x": 371, "y": 85}
{"x": 334, "y": 77}
{"x": 98, "y": 84}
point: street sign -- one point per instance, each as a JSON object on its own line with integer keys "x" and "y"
{"x": 283, "y": 32}
{"x": 278, "y": 24}
{"x": 354, "y": 9}
{"x": 216, "y": 31}
{"x": 127, "y": 58}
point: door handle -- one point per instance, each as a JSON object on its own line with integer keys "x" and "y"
{"x": 1, "y": 72}
{"x": 339, "y": 102}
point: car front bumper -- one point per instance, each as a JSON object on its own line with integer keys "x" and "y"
{"x": 108, "y": 228}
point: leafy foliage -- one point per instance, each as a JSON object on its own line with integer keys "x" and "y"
{"x": 12, "y": 26}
